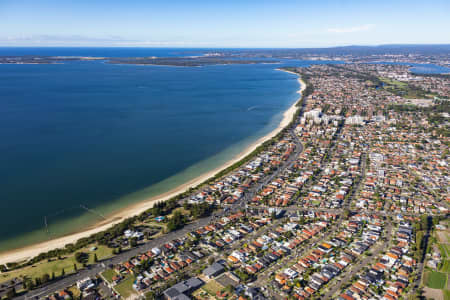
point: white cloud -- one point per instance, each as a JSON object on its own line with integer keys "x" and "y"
{"x": 80, "y": 40}
{"x": 351, "y": 29}
{"x": 57, "y": 39}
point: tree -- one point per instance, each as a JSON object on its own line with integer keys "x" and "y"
{"x": 201, "y": 210}
{"x": 26, "y": 285}
{"x": 176, "y": 221}
{"x": 63, "y": 272}
{"x": 95, "y": 257}
{"x": 45, "y": 278}
{"x": 3, "y": 268}
{"x": 30, "y": 283}
{"x": 75, "y": 267}
{"x": 81, "y": 257}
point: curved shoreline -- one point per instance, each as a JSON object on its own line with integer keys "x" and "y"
{"x": 30, "y": 251}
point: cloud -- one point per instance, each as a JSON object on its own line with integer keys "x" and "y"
{"x": 80, "y": 40}
{"x": 44, "y": 39}
{"x": 351, "y": 29}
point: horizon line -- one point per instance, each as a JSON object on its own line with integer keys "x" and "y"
{"x": 224, "y": 47}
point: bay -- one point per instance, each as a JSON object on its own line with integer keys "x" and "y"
{"x": 107, "y": 136}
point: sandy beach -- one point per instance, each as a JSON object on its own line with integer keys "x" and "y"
{"x": 33, "y": 250}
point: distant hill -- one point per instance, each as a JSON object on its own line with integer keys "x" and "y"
{"x": 354, "y": 50}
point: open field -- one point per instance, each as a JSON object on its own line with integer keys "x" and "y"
{"x": 436, "y": 280}
{"x": 55, "y": 265}
{"x": 212, "y": 287}
{"x": 403, "y": 89}
{"x": 102, "y": 253}
{"x": 393, "y": 82}
{"x": 125, "y": 288}
{"x": 45, "y": 267}
{"x": 108, "y": 275}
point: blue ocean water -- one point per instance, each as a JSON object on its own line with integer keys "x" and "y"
{"x": 90, "y": 133}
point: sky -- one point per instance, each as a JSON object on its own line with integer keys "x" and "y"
{"x": 225, "y": 23}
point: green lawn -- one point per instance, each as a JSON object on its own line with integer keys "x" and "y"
{"x": 393, "y": 82}
{"x": 125, "y": 287}
{"x": 402, "y": 88}
{"x": 212, "y": 287}
{"x": 102, "y": 253}
{"x": 109, "y": 274}
{"x": 55, "y": 265}
{"x": 436, "y": 280}
{"x": 41, "y": 268}
{"x": 446, "y": 295}
{"x": 446, "y": 266}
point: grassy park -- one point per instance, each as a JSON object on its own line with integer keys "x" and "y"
{"x": 403, "y": 89}
{"x": 56, "y": 265}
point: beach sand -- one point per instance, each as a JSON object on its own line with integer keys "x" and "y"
{"x": 28, "y": 252}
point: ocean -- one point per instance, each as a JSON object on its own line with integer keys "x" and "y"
{"x": 100, "y": 136}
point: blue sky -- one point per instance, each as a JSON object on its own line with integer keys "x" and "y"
{"x": 226, "y": 23}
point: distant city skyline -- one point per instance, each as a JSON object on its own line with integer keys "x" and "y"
{"x": 200, "y": 23}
